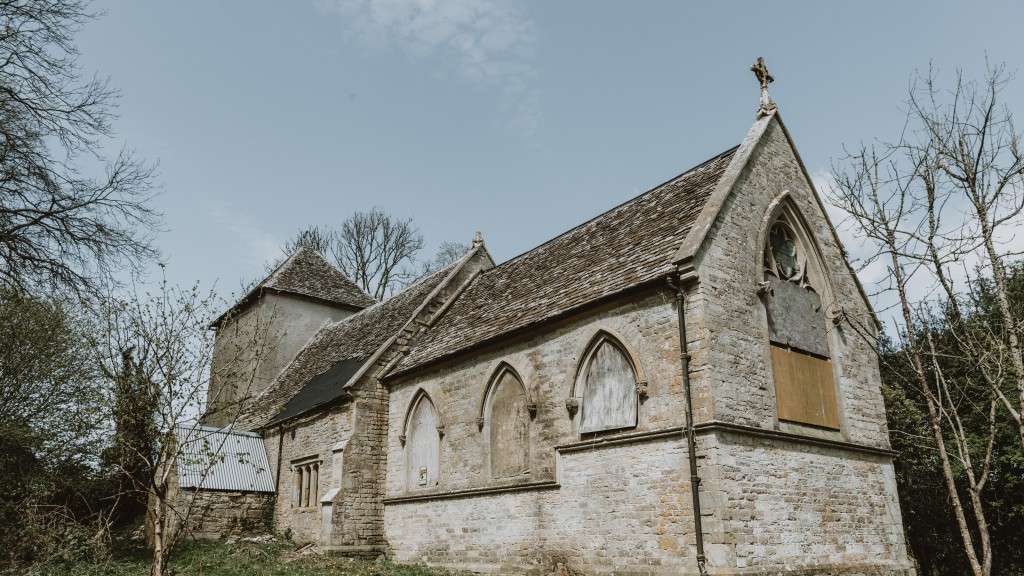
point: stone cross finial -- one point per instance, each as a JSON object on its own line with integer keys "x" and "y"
{"x": 760, "y": 71}
{"x": 478, "y": 239}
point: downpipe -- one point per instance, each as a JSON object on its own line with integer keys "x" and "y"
{"x": 691, "y": 441}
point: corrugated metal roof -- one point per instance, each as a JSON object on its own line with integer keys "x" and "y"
{"x": 215, "y": 459}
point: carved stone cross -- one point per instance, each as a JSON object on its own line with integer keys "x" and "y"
{"x": 760, "y": 71}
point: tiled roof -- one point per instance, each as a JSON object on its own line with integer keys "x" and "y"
{"x": 307, "y": 273}
{"x": 355, "y": 337}
{"x": 626, "y": 246}
{"x": 215, "y": 459}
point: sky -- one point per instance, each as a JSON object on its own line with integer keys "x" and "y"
{"x": 519, "y": 120}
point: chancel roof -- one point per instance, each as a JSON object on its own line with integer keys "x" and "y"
{"x": 307, "y": 274}
{"x": 627, "y": 246}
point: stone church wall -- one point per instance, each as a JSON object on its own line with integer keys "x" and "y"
{"x": 357, "y": 519}
{"x": 217, "y": 514}
{"x": 782, "y": 505}
{"x": 286, "y": 323}
{"x": 773, "y": 502}
{"x": 733, "y": 356}
{"x": 547, "y": 363}
{"x": 639, "y": 488}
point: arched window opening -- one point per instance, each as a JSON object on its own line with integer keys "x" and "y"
{"x": 423, "y": 444}
{"x": 609, "y": 390}
{"x": 510, "y": 426}
{"x": 798, "y": 334}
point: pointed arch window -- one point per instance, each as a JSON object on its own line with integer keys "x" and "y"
{"x": 610, "y": 386}
{"x": 422, "y": 444}
{"x": 798, "y": 335}
{"x": 509, "y": 413}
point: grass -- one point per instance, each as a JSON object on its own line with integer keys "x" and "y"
{"x": 238, "y": 559}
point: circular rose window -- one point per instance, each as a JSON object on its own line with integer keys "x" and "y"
{"x": 783, "y": 247}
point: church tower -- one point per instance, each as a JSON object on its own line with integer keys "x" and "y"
{"x": 258, "y": 336}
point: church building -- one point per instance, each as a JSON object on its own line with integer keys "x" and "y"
{"x": 684, "y": 384}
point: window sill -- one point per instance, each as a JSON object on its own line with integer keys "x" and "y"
{"x": 471, "y": 492}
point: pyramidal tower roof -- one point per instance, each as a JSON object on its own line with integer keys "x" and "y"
{"x": 308, "y": 275}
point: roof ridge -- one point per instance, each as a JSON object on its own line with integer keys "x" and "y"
{"x": 625, "y": 202}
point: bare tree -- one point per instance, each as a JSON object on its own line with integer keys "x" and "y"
{"x": 60, "y": 224}
{"x": 321, "y": 240}
{"x": 374, "y": 249}
{"x": 976, "y": 165}
{"x": 880, "y": 193}
{"x": 940, "y": 205}
{"x": 161, "y": 344}
{"x": 377, "y": 250}
{"x": 447, "y": 253}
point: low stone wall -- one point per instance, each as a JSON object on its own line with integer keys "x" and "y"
{"x": 621, "y": 509}
{"x": 218, "y": 514}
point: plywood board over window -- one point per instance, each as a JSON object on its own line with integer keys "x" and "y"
{"x": 610, "y": 395}
{"x": 510, "y": 428}
{"x": 805, "y": 389}
{"x": 423, "y": 445}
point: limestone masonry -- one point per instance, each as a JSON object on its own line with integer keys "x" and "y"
{"x": 531, "y": 417}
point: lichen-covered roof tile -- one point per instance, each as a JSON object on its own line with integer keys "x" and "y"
{"x": 626, "y": 246}
{"x": 306, "y": 273}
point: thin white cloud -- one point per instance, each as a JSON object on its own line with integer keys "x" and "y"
{"x": 488, "y": 43}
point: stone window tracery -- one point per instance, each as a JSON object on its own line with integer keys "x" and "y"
{"x": 798, "y": 334}
{"x": 784, "y": 257}
{"x": 306, "y": 487}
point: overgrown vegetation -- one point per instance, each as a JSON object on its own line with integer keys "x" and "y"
{"x": 930, "y": 526}
{"x": 237, "y": 559}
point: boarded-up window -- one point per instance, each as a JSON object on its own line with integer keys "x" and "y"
{"x": 609, "y": 393}
{"x": 804, "y": 388}
{"x": 423, "y": 444}
{"x": 510, "y": 428}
